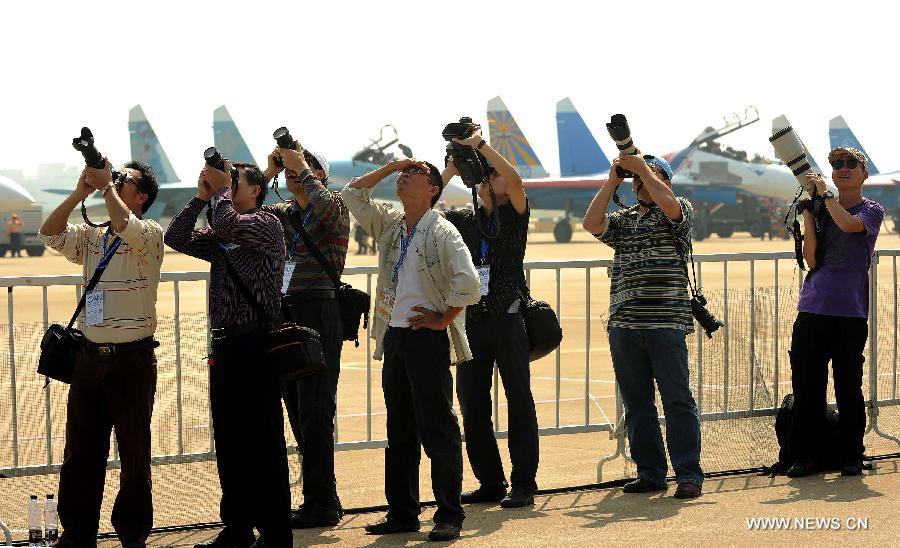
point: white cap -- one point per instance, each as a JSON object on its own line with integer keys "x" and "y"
{"x": 323, "y": 161}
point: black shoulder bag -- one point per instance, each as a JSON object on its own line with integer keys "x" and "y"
{"x": 296, "y": 351}
{"x": 544, "y": 332}
{"x": 60, "y": 344}
{"x": 353, "y": 303}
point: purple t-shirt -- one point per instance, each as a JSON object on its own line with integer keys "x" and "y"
{"x": 840, "y": 286}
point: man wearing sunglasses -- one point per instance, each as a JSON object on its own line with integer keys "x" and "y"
{"x": 309, "y": 294}
{"x": 496, "y": 332}
{"x": 832, "y": 315}
{"x": 114, "y": 384}
{"x": 425, "y": 279}
{"x": 649, "y": 318}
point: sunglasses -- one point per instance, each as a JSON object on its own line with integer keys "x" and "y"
{"x": 851, "y": 163}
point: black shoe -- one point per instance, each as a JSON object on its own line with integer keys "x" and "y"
{"x": 518, "y": 497}
{"x": 228, "y": 539}
{"x": 303, "y": 518}
{"x": 642, "y": 485}
{"x": 801, "y": 468}
{"x": 852, "y": 468}
{"x": 688, "y": 490}
{"x": 444, "y": 531}
{"x": 484, "y": 494}
{"x": 388, "y": 526}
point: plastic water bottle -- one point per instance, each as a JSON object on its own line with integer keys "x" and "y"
{"x": 51, "y": 521}
{"x": 35, "y": 531}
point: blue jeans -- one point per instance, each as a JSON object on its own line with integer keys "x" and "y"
{"x": 639, "y": 356}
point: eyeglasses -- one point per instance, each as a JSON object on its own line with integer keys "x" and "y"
{"x": 851, "y": 163}
{"x": 414, "y": 170}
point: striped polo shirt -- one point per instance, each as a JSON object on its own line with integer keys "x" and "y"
{"x": 648, "y": 289}
{"x": 130, "y": 281}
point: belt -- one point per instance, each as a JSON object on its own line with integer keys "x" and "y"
{"x": 243, "y": 329}
{"x": 297, "y": 297}
{"x": 109, "y": 349}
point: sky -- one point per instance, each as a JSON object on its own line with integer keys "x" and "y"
{"x": 335, "y": 72}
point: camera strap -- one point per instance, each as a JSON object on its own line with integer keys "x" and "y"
{"x": 679, "y": 249}
{"x": 314, "y": 250}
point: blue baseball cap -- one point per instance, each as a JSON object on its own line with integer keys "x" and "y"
{"x": 661, "y": 164}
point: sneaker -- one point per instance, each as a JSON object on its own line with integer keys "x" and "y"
{"x": 303, "y": 518}
{"x": 484, "y": 494}
{"x": 388, "y": 526}
{"x": 802, "y": 468}
{"x": 518, "y": 497}
{"x": 642, "y": 485}
{"x": 444, "y": 531}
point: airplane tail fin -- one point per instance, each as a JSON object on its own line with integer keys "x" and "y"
{"x": 782, "y": 122}
{"x": 507, "y": 139}
{"x": 579, "y": 152}
{"x": 145, "y": 146}
{"x": 840, "y": 135}
{"x": 228, "y": 137}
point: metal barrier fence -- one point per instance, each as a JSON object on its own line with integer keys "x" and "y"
{"x": 738, "y": 375}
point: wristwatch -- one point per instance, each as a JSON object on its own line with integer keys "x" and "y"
{"x": 828, "y": 195}
{"x": 106, "y": 188}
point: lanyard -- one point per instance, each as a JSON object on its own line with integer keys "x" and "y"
{"x": 108, "y": 253}
{"x": 485, "y": 244}
{"x": 296, "y": 237}
{"x": 404, "y": 247}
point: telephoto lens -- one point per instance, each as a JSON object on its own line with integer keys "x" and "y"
{"x": 284, "y": 140}
{"x": 214, "y": 158}
{"x": 85, "y": 145}
{"x": 790, "y": 150}
{"x": 621, "y": 134}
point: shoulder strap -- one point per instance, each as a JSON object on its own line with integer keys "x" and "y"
{"x": 95, "y": 278}
{"x": 679, "y": 249}
{"x": 326, "y": 266}
{"x": 242, "y": 288}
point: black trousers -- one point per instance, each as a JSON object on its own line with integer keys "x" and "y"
{"x": 251, "y": 455}
{"x": 311, "y": 404}
{"x": 108, "y": 392}
{"x": 816, "y": 340}
{"x": 502, "y": 340}
{"x": 418, "y": 396}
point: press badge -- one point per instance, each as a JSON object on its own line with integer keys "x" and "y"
{"x": 288, "y": 274}
{"x": 93, "y": 308}
{"x": 484, "y": 275}
{"x": 385, "y": 304}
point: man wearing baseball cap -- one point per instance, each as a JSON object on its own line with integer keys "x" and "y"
{"x": 311, "y": 300}
{"x": 649, "y": 319}
{"x": 832, "y": 318}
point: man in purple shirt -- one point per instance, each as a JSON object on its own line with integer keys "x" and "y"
{"x": 245, "y": 395}
{"x": 833, "y": 311}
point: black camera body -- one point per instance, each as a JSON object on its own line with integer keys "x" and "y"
{"x": 704, "y": 317}
{"x": 283, "y": 139}
{"x": 85, "y": 145}
{"x": 620, "y": 132}
{"x": 472, "y": 166}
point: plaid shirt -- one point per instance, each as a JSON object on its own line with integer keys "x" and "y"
{"x": 327, "y": 222}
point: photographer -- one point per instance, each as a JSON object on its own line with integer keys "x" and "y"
{"x": 114, "y": 383}
{"x": 425, "y": 279}
{"x": 649, "y": 318}
{"x": 832, "y": 314}
{"x": 496, "y": 332}
{"x": 245, "y": 243}
{"x": 311, "y": 401}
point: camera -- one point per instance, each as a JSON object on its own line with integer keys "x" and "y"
{"x": 704, "y": 317}
{"x": 215, "y": 159}
{"x": 283, "y": 139}
{"x": 85, "y": 145}
{"x": 790, "y": 150}
{"x": 472, "y": 166}
{"x": 621, "y": 134}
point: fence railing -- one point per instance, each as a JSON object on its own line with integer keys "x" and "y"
{"x": 740, "y": 373}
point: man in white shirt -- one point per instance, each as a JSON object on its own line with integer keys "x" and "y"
{"x": 114, "y": 383}
{"x": 425, "y": 279}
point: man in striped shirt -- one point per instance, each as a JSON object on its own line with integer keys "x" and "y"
{"x": 649, "y": 317}
{"x": 114, "y": 383}
{"x": 311, "y": 402}
{"x": 245, "y": 393}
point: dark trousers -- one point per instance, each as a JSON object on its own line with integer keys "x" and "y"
{"x": 418, "y": 396}
{"x": 502, "y": 340}
{"x": 251, "y": 455}
{"x": 816, "y": 340}
{"x": 15, "y": 244}
{"x": 108, "y": 392}
{"x": 311, "y": 404}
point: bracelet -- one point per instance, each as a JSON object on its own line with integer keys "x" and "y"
{"x": 106, "y": 188}
{"x": 481, "y": 144}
